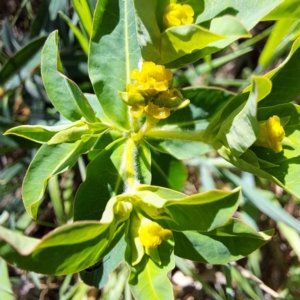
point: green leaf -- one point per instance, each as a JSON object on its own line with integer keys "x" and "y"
{"x": 227, "y": 126}
{"x": 174, "y": 41}
{"x": 143, "y": 157}
{"x": 68, "y": 249}
{"x": 103, "y": 141}
{"x": 148, "y": 280}
{"x": 230, "y": 242}
{"x": 286, "y": 75}
{"x": 288, "y": 9}
{"x": 281, "y": 168}
{"x": 95, "y": 104}
{"x": 37, "y": 133}
{"x": 22, "y": 63}
{"x": 162, "y": 46}
{"x": 202, "y": 212}
{"x": 148, "y": 32}
{"x": 97, "y": 275}
{"x": 249, "y": 13}
{"x": 167, "y": 171}
{"x": 175, "y": 144}
{"x": 64, "y": 94}
{"x": 161, "y": 193}
{"x": 241, "y": 127}
{"x": 114, "y": 52}
{"x": 205, "y": 103}
{"x": 49, "y": 161}
{"x": 103, "y": 181}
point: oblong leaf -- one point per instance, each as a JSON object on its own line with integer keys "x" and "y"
{"x": 285, "y": 75}
{"x": 68, "y": 249}
{"x": 97, "y": 275}
{"x": 103, "y": 181}
{"x": 230, "y": 242}
{"x": 36, "y": 133}
{"x": 203, "y": 212}
{"x": 167, "y": 171}
{"x": 174, "y": 41}
{"x": 148, "y": 280}
{"x": 64, "y": 94}
{"x": 48, "y": 161}
{"x": 114, "y": 52}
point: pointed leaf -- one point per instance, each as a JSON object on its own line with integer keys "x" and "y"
{"x": 114, "y": 52}
{"x": 249, "y": 13}
{"x": 148, "y": 280}
{"x": 97, "y": 275}
{"x": 230, "y": 242}
{"x": 174, "y": 41}
{"x": 168, "y": 171}
{"x": 202, "y": 212}
{"x": 37, "y": 133}
{"x": 49, "y": 161}
{"x": 241, "y": 128}
{"x": 284, "y": 75}
{"x": 103, "y": 181}
{"x": 68, "y": 249}
{"x": 288, "y": 9}
{"x": 64, "y": 94}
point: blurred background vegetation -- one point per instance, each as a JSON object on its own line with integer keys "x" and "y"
{"x": 269, "y": 273}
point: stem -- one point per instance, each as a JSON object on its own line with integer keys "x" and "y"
{"x": 196, "y": 136}
{"x": 148, "y": 125}
{"x": 130, "y": 166}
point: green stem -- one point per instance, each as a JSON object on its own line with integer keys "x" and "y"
{"x": 130, "y": 168}
{"x": 148, "y": 125}
{"x": 196, "y": 136}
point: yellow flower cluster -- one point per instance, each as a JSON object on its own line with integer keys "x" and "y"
{"x": 151, "y": 80}
{"x": 151, "y": 234}
{"x": 177, "y": 14}
{"x": 271, "y": 134}
{"x": 151, "y": 92}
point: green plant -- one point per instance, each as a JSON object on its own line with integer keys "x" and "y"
{"x": 135, "y": 115}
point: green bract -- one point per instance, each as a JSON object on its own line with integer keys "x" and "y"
{"x": 136, "y": 128}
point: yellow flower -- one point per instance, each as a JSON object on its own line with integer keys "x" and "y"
{"x": 271, "y": 134}
{"x": 151, "y": 80}
{"x": 177, "y": 14}
{"x": 151, "y": 234}
{"x": 157, "y": 112}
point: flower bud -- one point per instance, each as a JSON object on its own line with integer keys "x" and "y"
{"x": 152, "y": 234}
{"x": 177, "y": 14}
{"x": 271, "y": 134}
